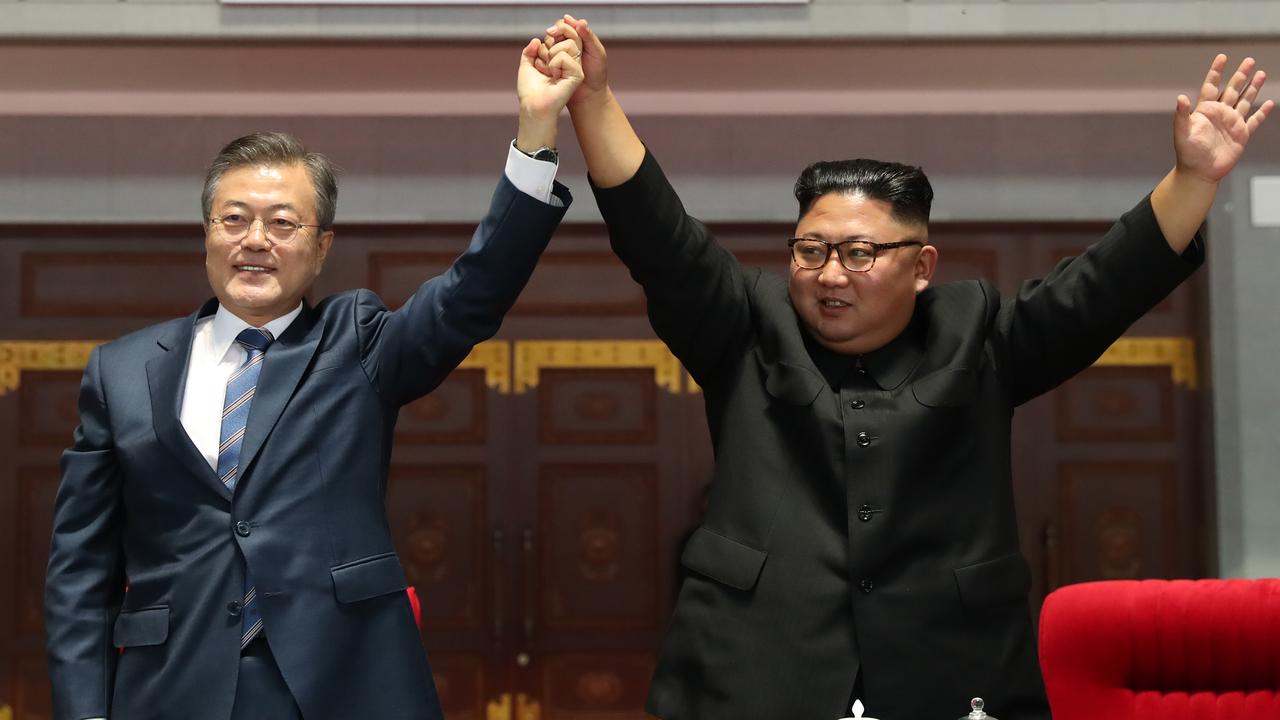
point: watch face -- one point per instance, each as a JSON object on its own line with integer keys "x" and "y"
{"x": 546, "y": 154}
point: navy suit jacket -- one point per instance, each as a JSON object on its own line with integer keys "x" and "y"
{"x": 138, "y": 504}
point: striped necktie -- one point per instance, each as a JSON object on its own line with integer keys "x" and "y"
{"x": 235, "y": 416}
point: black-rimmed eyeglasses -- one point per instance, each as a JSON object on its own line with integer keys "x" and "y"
{"x": 855, "y": 255}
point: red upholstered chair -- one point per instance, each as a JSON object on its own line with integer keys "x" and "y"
{"x": 1163, "y": 650}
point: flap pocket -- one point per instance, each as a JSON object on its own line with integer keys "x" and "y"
{"x": 724, "y": 560}
{"x": 148, "y": 626}
{"x": 368, "y": 577}
{"x": 793, "y": 384}
{"x": 1001, "y": 581}
{"x": 951, "y": 387}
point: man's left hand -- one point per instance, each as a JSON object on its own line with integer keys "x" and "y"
{"x": 1209, "y": 139}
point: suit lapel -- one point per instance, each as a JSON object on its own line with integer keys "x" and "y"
{"x": 282, "y": 369}
{"x": 165, "y": 375}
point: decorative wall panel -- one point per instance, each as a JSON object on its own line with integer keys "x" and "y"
{"x": 37, "y": 488}
{"x": 93, "y": 284}
{"x": 602, "y": 406}
{"x": 598, "y": 530}
{"x": 460, "y": 683}
{"x": 596, "y": 686}
{"x": 1119, "y": 520}
{"x": 438, "y": 518}
{"x": 453, "y": 413}
{"x": 47, "y": 405}
{"x": 1116, "y": 405}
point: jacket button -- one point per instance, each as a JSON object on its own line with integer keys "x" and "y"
{"x": 865, "y": 585}
{"x": 242, "y": 529}
{"x": 864, "y": 513}
{"x": 863, "y": 439}
{"x": 857, "y": 404}
{"x": 233, "y": 608}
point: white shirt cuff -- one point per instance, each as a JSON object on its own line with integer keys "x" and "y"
{"x": 534, "y": 178}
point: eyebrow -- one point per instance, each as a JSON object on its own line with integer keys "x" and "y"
{"x": 270, "y": 208}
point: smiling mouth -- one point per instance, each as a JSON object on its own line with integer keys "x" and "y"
{"x": 833, "y": 303}
{"x": 254, "y": 268}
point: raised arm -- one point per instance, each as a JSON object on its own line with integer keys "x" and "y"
{"x": 408, "y": 352}
{"x": 695, "y": 288}
{"x": 1208, "y": 141}
{"x": 611, "y": 147}
{"x": 1058, "y": 326}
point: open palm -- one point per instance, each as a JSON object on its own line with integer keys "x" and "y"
{"x": 1210, "y": 139}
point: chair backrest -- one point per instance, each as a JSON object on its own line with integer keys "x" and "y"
{"x": 1163, "y": 650}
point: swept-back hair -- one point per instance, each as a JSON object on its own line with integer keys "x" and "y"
{"x": 275, "y": 149}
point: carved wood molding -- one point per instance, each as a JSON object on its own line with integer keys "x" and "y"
{"x": 531, "y": 356}
{"x": 19, "y": 355}
{"x": 534, "y": 355}
{"x": 494, "y": 357}
{"x": 1176, "y": 353}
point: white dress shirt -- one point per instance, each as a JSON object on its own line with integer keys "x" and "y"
{"x": 215, "y": 354}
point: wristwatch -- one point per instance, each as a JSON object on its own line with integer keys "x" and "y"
{"x": 544, "y": 153}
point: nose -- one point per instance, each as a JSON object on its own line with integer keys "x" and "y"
{"x": 256, "y": 237}
{"x": 832, "y": 273}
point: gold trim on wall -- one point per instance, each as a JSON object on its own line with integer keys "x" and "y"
{"x": 494, "y": 357}
{"x": 1176, "y": 353}
{"x": 19, "y": 355}
{"x": 532, "y": 356}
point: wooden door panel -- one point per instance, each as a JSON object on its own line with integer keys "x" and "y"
{"x": 598, "y": 685}
{"x": 1119, "y": 520}
{"x": 598, "y": 560}
{"x": 439, "y": 515}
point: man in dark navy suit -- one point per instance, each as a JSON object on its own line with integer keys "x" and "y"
{"x": 230, "y": 466}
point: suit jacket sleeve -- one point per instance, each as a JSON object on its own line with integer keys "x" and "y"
{"x": 1058, "y": 326}
{"x": 85, "y": 579}
{"x": 695, "y": 288}
{"x": 408, "y": 352}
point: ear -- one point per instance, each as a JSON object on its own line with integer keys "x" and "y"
{"x": 926, "y": 263}
{"x": 323, "y": 243}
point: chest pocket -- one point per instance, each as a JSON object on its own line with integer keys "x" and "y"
{"x": 722, "y": 559}
{"x": 949, "y": 387}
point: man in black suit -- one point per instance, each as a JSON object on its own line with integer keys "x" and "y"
{"x": 230, "y": 466}
{"x": 860, "y": 539}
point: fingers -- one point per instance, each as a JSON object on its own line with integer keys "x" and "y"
{"x": 1235, "y": 85}
{"x": 565, "y": 65}
{"x": 1261, "y": 115}
{"x": 530, "y": 52}
{"x": 1209, "y": 90}
{"x": 1181, "y": 116}
{"x": 563, "y": 32}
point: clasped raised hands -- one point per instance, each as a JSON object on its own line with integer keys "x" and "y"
{"x": 573, "y": 37}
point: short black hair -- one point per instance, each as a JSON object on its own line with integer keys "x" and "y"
{"x": 904, "y": 187}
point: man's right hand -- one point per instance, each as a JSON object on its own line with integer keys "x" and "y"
{"x": 611, "y": 147}
{"x": 570, "y": 34}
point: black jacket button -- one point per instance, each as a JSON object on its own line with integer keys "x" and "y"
{"x": 863, "y": 439}
{"x": 857, "y": 404}
{"x": 865, "y": 585}
{"x": 864, "y": 513}
{"x": 233, "y": 608}
{"x": 242, "y": 529}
